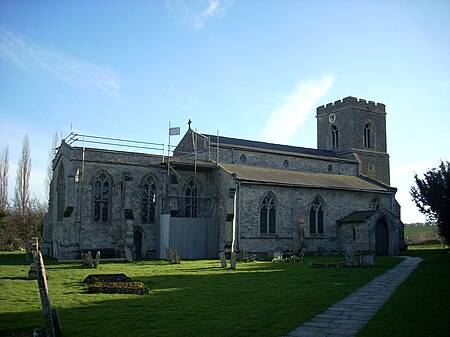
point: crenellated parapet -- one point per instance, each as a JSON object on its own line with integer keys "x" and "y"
{"x": 351, "y": 102}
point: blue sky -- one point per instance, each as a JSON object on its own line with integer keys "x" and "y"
{"x": 246, "y": 69}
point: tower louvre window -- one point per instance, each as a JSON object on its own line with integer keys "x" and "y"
{"x": 368, "y": 136}
{"x": 334, "y": 137}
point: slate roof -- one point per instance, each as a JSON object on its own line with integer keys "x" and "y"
{"x": 358, "y": 216}
{"x": 269, "y": 147}
{"x": 303, "y": 179}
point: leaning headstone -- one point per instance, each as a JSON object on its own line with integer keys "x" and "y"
{"x": 43, "y": 289}
{"x": 97, "y": 259}
{"x": 233, "y": 258}
{"x": 223, "y": 260}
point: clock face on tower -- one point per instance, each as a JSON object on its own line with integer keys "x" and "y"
{"x": 332, "y": 117}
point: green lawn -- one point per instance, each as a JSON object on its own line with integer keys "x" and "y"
{"x": 420, "y": 306}
{"x": 195, "y": 298}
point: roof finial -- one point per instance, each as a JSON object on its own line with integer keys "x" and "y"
{"x": 189, "y": 123}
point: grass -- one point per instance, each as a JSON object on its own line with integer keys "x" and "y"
{"x": 420, "y": 306}
{"x": 194, "y": 298}
{"x": 422, "y": 235}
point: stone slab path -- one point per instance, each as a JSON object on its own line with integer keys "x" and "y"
{"x": 346, "y": 317}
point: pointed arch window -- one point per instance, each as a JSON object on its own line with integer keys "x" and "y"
{"x": 102, "y": 198}
{"x": 368, "y": 135}
{"x": 316, "y": 217}
{"x": 268, "y": 215}
{"x": 149, "y": 201}
{"x": 191, "y": 200}
{"x": 334, "y": 137}
{"x": 61, "y": 189}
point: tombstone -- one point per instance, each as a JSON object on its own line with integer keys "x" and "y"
{"x": 32, "y": 272}
{"x": 97, "y": 259}
{"x": 178, "y": 259}
{"x": 233, "y": 258}
{"x": 223, "y": 260}
{"x": 367, "y": 260}
{"x": 89, "y": 261}
{"x": 350, "y": 250}
{"x": 244, "y": 255}
{"x": 128, "y": 256}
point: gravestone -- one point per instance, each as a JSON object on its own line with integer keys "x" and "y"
{"x": 89, "y": 261}
{"x": 32, "y": 272}
{"x": 128, "y": 256}
{"x": 223, "y": 260}
{"x": 367, "y": 260}
{"x": 97, "y": 259}
{"x": 233, "y": 258}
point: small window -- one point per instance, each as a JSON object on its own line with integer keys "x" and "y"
{"x": 334, "y": 137}
{"x": 267, "y": 215}
{"x": 286, "y": 163}
{"x": 316, "y": 217}
{"x": 102, "y": 198}
{"x": 375, "y": 204}
{"x": 243, "y": 158}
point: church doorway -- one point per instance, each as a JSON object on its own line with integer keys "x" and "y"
{"x": 137, "y": 240}
{"x": 381, "y": 238}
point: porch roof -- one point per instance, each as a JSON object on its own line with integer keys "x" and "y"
{"x": 358, "y": 216}
{"x": 304, "y": 179}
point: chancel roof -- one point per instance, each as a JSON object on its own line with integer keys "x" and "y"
{"x": 303, "y": 179}
{"x": 269, "y": 147}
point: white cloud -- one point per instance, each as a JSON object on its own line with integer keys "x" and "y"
{"x": 289, "y": 117}
{"x": 193, "y": 14}
{"x": 31, "y": 56}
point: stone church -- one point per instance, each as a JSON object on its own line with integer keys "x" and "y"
{"x": 219, "y": 193}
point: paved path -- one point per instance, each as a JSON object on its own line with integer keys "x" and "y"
{"x": 346, "y": 317}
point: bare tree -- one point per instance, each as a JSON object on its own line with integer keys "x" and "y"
{"x": 22, "y": 189}
{"x": 4, "y": 168}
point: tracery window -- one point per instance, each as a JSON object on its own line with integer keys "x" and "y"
{"x": 316, "y": 217}
{"x": 334, "y": 137}
{"x": 267, "y": 214}
{"x": 61, "y": 188}
{"x": 191, "y": 200}
{"x": 149, "y": 201}
{"x": 368, "y": 135}
{"x": 102, "y": 197}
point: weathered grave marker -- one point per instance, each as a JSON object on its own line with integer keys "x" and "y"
{"x": 97, "y": 259}
{"x": 223, "y": 260}
{"x": 233, "y": 258}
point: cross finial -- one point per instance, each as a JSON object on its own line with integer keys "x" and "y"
{"x": 189, "y": 123}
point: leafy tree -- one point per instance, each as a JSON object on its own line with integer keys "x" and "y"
{"x": 432, "y": 197}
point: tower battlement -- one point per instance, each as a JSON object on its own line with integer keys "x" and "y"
{"x": 351, "y": 102}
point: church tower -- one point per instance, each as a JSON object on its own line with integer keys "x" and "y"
{"x": 356, "y": 128}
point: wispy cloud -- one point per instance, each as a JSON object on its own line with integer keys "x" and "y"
{"x": 193, "y": 14}
{"x": 289, "y": 117}
{"x": 31, "y": 56}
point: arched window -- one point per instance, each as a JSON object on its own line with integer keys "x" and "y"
{"x": 102, "y": 197}
{"x": 149, "y": 201}
{"x": 334, "y": 137}
{"x": 191, "y": 200}
{"x": 368, "y": 135}
{"x": 61, "y": 191}
{"x": 268, "y": 214}
{"x": 316, "y": 217}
